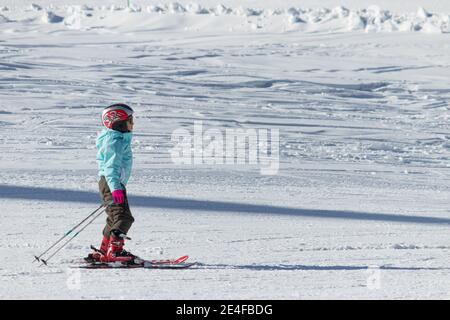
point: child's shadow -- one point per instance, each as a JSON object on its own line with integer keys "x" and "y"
{"x": 300, "y": 267}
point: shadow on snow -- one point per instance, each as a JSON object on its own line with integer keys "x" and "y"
{"x": 284, "y": 267}
{"x": 61, "y": 195}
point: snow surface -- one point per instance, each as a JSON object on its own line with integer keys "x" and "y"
{"x": 360, "y": 94}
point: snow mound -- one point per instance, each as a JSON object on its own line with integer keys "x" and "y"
{"x": 4, "y": 19}
{"x": 195, "y": 8}
{"x": 221, "y": 10}
{"x": 50, "y": 17}
{"x": 175, "y": 7}
{"x": 337, "y": 19}
{"x": 35, "y": 7}
{"x": 73, "y": 19}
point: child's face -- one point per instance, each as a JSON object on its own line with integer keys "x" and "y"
{"x": 130, "y": 123}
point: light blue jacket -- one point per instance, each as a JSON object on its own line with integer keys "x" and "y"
{"x": 114, "y": 157}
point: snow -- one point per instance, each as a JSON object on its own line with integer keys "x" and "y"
{"x": 370, "y": 19}
{"x": 360, "y": 96}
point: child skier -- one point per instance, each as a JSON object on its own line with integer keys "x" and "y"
{"x": 114, "y": 158}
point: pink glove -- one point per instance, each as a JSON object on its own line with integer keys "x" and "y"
{"x": 118, "y": 196}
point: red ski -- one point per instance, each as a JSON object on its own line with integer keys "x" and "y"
{"x": 178, "y": 263}
{"x": 168, "y": 261}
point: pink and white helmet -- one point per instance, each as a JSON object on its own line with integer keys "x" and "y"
{"x": 116, "y": 113}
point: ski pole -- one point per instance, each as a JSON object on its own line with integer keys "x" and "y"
{"x": 44, "y": 262}
{"x": 38, "y": 258}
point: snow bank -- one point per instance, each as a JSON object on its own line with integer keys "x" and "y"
{"x": 370, "y": 19}
{"x": 35, "y": 7}
{"x": 3, "y": 19}
{"x": 50, "y": 17}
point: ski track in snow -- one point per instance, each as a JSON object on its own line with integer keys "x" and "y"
{"x": 364, "y": 149}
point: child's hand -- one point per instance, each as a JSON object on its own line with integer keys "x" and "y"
{"x": 118, "y": 196}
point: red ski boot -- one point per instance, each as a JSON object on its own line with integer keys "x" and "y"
{"x": 97, "y": 255}
{"x": 115, "y": 252}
